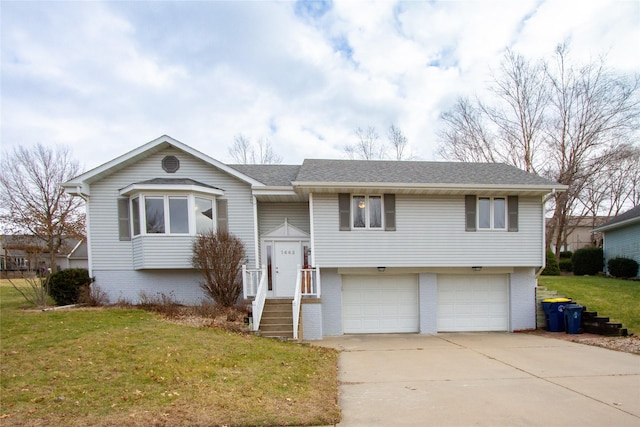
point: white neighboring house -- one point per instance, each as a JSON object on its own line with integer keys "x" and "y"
{"x": 360, "y": 246}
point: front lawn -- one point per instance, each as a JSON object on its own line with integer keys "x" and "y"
{"x": 617, "y": 299}
{"x": 111, "y": 366}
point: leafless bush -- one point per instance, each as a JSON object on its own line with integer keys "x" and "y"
{"x": 93, "y": 296}
{"x": 36, "y": 292}
{"x": 219, "y": 257}
{"x": 167, "y": 305}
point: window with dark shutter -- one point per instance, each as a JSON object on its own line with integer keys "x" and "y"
{"x": 344, "y": 204}
{"x": 470, "y": 212}
{"x": 124, "y": 228}
{"x": 512, "y": 209}
{"x": 390, "y": 212}
{"x": 222, "y": 215}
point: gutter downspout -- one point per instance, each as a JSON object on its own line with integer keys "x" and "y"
{"x": 88, "y": 228}
{"x": 545, "y": 199}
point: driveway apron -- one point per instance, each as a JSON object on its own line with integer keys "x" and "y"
{"x": 483, "y": 379}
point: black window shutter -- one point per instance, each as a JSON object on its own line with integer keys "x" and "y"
{"x": 124, "y": 227}
{"x": 344, "y": 208}
{"x": 470, "y": 212}
{"x": 512, "y": 210}
{"x": 390, "y": 212}
{"x": 222, "y": 215}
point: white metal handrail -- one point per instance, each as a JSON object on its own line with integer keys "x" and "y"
{"x": 250, "y": 280}
{"x": 257, "y": 305}
{"x": 310, "y": 282}
{"x": 295, "y": 304}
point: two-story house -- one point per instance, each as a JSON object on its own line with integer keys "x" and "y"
{"x": 360, "y": 246}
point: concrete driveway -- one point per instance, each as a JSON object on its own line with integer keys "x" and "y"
{"x": 484, "y": 379}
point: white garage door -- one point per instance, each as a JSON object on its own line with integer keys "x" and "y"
{"x": 473, "y": 303}
{"x": 379, "y": 304}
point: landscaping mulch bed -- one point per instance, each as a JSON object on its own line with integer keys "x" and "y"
{"x": 630, "y": 344}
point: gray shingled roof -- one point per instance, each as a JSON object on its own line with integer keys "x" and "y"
{"x": 270, "y": 175}
{"x": 623, "y": 217}
{"x": 366, "y": 171}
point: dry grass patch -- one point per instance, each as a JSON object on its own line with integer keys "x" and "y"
{"x": 116, "y": 366}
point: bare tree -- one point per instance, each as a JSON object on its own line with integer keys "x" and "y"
{"x": 566, "y": 123}
{"x": 32, "y": 200}
{"x": 367, "y": 147}
{"x": 244, "y": 152}
{"x": 219, "y": 257}
{"x": 399, "y": 143}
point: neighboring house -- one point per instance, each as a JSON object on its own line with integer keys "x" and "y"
{"x": 622, "y": 236}
{"x": 29, "y": 253}
{"x": 581, "y": 232}
{"x": 363, "y": 246}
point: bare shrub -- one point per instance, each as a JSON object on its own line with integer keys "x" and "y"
{"x": 93, "y": 296}
{"x": 36, "y": 292}
{"x": 219, "y": 257}
{"x": 167, "y": 305}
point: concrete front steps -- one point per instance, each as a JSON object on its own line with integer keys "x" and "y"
{"x": 590, "y": 322}
{"x": 277, "y": 319}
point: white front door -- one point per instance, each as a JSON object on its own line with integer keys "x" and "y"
{"x": 287, "y": 258}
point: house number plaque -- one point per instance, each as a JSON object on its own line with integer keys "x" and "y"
{"x": 288, "y": 252}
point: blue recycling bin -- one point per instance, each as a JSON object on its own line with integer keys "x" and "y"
{"x": 573, "y": 318}
{"x": 554, "y": 313}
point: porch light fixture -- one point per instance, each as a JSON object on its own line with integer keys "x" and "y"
{"x": 361, "y": 204}
{"x": 476, "y": 268}
{"x": 382, "y": 269}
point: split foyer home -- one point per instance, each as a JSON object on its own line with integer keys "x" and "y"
{"x": 350, "y": 246}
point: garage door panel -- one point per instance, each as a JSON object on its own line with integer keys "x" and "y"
{"x": 380, "y": 304}
{"x": 473, "y": 303}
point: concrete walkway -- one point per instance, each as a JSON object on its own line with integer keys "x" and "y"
{"x": 484, "y": 379}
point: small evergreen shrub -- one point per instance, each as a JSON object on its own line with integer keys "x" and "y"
{"x": 565, "y": 264}
{"x": 552, "y": 268}
{"x": 622, "y": 267}
{"x": 65, "y": 286}
{"x": 587, "y": 261}
{"x": 566, "y": 254}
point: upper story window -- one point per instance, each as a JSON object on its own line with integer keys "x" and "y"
{"x": 171, "y": 214}
{"x": 491, "y": 213}
{"x": 367, "y": 211}
{"x": 362, "y": 212}
{"x": 175, "y": 207}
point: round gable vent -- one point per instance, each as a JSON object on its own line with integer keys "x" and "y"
{"x": 170, "y": 164}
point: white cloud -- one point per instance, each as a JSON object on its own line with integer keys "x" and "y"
{"x": 105, "y": 77}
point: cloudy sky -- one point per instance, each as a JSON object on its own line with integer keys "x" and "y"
{"x": 106, "y": 77}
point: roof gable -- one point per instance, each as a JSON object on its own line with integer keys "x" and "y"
{"x": 629, "y": 217}
{"x": 80, "y": 184}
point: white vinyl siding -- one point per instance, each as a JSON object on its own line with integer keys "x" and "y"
{"x": 109, "y": 253}
{"x": 379, "y": 304}
{"x": 430, "y": 232}
{"x": 272, "y": 216}
{"x": 474, "y": 302}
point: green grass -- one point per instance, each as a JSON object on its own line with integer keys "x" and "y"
{"x": 617, "y": 299}
{"x": 130, "y": 367}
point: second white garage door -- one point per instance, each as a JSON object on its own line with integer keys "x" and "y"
{"x": 473, "y": 303}
{"x": 379, "y": 304}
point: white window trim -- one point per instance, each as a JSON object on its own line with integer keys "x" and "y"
{"x": 367, "y": 215}
{"x": 191, "y": 205}
{"x": 492, "y": 213}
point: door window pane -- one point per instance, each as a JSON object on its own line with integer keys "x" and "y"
{"x": 154, "y": 212}
{"x": 359, "y": 212}
{"x": 178, "y": 215}
{"x": 204, "y": 215}
{"x": 375, "y": 211}
{"x": 484, "y": 212}
{"x": 499, "y": 216}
